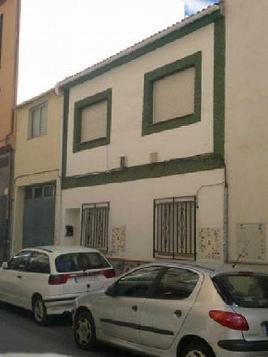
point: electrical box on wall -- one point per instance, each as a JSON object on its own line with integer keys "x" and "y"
{"x": 69, "y": 231}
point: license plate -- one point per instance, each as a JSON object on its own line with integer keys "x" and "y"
{"x": 83, "y": 279}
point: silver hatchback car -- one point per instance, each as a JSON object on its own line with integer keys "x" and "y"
{"x": 177, "y": 310}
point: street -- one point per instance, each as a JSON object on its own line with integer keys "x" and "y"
{"x": 20, "y": 336}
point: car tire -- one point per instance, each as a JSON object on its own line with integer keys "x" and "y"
{"x": 197, "y": 349}
{"x": 39, "y": 311}
{"x": 84, "y": 330}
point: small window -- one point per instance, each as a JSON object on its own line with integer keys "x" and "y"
{"x": 92, "y": 121}
{"x": 38, "y": 192}
{"x": 38, "y": 121}
{"x": 176, "y": 284}
{"x": 80, "y": 262}
{"x": 138, "y": 283}
{"x": 39, "y": 263}
{"x": 20, "y": 261}
{"x": 49, "y": 191}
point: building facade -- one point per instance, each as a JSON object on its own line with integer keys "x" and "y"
{"x": 36, "y": 176}
{"x": 246, "y": 127}
{"x": 9, "y": 34}
{"x": 143, "y": 171}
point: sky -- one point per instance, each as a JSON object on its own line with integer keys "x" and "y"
{"x": 59, "y": 38}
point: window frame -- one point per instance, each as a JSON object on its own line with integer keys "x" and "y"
{"x": 151, "y": 289}
{"x": 21, "y": 253}
{"x": 78, "y": 108}
{"x": 148, "y": 125}
{"x": 39, "y": 254}
{"x": 156, "y": 295}
{"x": 188, "y": 250}
{"x": 83, "y": 235}
{"x": 31, "y": 111}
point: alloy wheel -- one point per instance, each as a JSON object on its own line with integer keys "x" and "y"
{"x": 83, "y": 331}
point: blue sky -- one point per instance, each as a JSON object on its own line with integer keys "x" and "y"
{"x": 80, "y": 33}
{"x": 192, "y": 6}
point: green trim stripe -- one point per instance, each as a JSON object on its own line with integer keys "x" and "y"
{"x": 160, "y": 169}
{"x": 219, "y": 86}
{"x": 148, "y": 127}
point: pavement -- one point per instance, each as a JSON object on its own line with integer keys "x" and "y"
{"x": 20, "y": 336}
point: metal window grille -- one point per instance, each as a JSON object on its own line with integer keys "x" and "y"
{"x": 175, "y": 228}
{"x": 95, "y": 223}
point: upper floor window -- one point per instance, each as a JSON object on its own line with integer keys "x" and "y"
{"x": 92, "y": 121}
{"x": 38, "y": 121}
{"x": 172, "y": 95}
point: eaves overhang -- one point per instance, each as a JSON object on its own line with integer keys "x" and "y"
{"x": 149, "y": 44}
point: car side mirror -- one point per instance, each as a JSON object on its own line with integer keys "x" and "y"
{"x": 5, "y": 265}
{"x": 111, "y": 291}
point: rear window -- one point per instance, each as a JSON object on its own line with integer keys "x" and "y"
{"x": 244, "y": 289}
{"x": 80, "y": 261}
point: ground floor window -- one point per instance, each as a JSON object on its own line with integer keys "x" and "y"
{"x": 95, "y": 223}
{"x": 175, "y": 227}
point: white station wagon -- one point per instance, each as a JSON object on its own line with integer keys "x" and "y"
{"x": 47, "y": 279}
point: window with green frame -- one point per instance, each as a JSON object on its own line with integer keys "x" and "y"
{"x": 92, "y": 121}
{"x": 172, "y": 95}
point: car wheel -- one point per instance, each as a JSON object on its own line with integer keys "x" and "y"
{"x": 84, "y": 331}
{"x": 39, "y": 310}
{"x": 197, "y": 349}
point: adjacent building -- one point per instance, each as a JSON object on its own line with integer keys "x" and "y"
{"x": 9, "y": 35}
{"x": 36, "y": 176}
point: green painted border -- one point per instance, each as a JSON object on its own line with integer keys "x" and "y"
{"x": 219, "y": 87}
{"x": 88, "y": 102}
{"x": 160, "y": 169}
{"x": 148, "y": 127}
{"x": 204, "y": 162}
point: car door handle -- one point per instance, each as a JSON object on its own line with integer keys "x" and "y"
{"x": 19, "y": 276}
{"x": 134, "y": 308}
{"x": 178, "y": 313}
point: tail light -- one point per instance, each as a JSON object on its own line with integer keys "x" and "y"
{"x": 231, "y": 320}
{"x": 109, "y": 273}
{"x": 58, "y": 279}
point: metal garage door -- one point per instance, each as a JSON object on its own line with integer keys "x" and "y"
{"x": 39, "y": 215}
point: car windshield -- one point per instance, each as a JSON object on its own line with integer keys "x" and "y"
{"x": 243, "y": 289}
{"x": 80, "y": 261}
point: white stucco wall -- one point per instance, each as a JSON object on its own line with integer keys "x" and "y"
{"x": 131, "y": 206}
{"x": 246, "y": 127}
{"x": 127, "y": 83}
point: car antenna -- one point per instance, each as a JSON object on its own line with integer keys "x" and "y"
{"x": 241, "y": 254}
